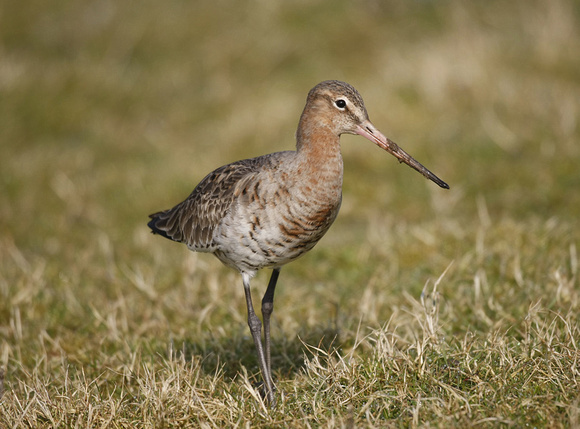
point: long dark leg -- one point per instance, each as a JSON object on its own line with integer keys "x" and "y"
{"x": 256, "y": 330}
{"x": 267, "y": 308}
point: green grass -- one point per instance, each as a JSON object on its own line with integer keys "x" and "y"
{"x": 421, "y": 307}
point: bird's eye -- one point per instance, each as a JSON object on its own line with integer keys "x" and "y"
{"x": 340, "y": 103}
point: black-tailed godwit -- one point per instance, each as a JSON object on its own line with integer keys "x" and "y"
{"x": 265, "y": 212}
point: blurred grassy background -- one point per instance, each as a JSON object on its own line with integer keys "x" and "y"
{"x": 112, "y": 110}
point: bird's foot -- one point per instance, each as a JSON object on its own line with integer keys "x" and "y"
{"x": 263, "y": 391}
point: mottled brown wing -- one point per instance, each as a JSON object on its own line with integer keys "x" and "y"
{"x": 194, "y": 220}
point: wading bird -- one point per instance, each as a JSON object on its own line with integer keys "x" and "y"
{"x": 267, "y": 211}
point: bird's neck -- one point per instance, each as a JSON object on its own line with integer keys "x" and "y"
{"x": 315, "y": 138}
{"x": 318, "y": 151}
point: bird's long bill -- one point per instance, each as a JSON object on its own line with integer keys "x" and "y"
{"x": 368, "y": 130}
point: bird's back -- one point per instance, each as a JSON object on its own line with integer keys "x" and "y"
{"x": 194, "y": 221}
{"x": 255, "y": 213}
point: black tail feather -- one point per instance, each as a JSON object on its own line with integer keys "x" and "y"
{"x": 152, "y": 224}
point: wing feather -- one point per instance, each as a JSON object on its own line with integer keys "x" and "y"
{"x": 194, "y": 221}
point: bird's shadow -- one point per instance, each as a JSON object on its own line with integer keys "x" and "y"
{"x": 230, "y": 356}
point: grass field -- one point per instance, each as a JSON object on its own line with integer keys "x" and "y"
{"x": 420, "y": 308}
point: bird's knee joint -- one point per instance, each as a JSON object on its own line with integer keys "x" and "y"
{"x": 267, "y": 307}
{"x": 254, "y": 323}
